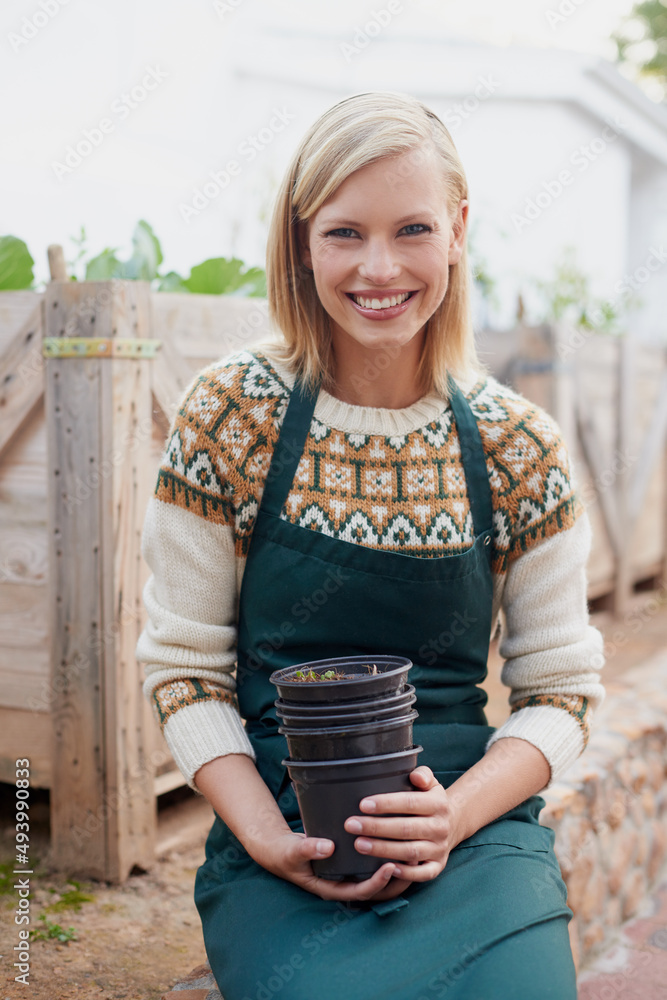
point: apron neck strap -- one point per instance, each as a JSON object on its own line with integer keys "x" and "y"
{"x": 474, "y": 461}
{"x": 289, "y": 448}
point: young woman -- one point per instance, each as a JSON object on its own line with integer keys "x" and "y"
{"x": 362, "y": 486}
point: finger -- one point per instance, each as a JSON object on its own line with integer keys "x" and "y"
{"x": 312, "y": 848}
{"x": 418, "y": 802}
{"x": 411, "y": 852}
{"x": 423, "y": 777}
{"x": 352, "y": 891}
{"x": 419, "y": 873}
{"x": 434, "y": 828}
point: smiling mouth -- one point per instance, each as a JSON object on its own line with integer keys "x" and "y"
{"x": 387, "y": 302}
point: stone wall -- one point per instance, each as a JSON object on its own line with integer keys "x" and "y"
{"x": 610, "y": 810}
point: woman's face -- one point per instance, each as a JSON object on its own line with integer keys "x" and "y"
{"x": 380, "y": 250}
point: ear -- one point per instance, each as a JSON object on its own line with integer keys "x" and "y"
{"x": 459, "y": 226}
{"x": 304, "y": 245}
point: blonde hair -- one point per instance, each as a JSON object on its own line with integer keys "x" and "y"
{"x": 356, "y": 131}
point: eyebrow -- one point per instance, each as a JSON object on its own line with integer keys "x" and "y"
{"x": 352, "y": 224}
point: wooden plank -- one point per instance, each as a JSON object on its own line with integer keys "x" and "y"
{"x": 25, "y": 673}
{"x": 98, "y": 419}
{"x": 21, "y": 376}
{"x": 25, "y": 734}
{"x": 23, "y": 469}
{"x": 625, "y": 433}
{"x": 208, "y": 327}
{"x": 23, "y": 554}
{"x": 652, "y": 448}
{"x": 132, "y": 826}
{"x": 23, "y": 614}
{"x": 168, "y": 781}
{"x": 171, "y": 373}
{"x": 591, "y": 450}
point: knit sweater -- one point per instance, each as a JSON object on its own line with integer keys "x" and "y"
{"x": 389, "y": 479}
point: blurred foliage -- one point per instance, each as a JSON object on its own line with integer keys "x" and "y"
{"x": 641, "y": 41}
{"x": 216, "y": 276}
{"x": 15, "y": 264}
{"x": 567, "y": 297}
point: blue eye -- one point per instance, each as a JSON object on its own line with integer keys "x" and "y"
{"x": 419, "y": 227}
{"x": 340, "y": 232}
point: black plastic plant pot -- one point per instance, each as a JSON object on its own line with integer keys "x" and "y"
{"x": 329, "y": 792}
{"x": 368, "y": 710}
{"x": 340, "y": 742}
{"x": 390, "y": 678}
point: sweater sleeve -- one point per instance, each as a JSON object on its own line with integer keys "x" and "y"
{"x": 190, "y": 545}
{"x": 189, "y": 643}
{"x": 553, "y": 655}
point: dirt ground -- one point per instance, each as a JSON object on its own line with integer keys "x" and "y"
{"x": 139, "y": 939}
{"x": 131, "y": 941}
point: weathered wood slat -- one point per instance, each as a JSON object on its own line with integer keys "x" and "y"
{"x": 21, "y": 376}
{"x": 97, "y": 409}
{"x": 652, "y": 448}
{"x": 591, "y": 450}
{"x": 25, "y": 734}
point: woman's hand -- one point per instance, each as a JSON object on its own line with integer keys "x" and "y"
{"x": 290, "y": 855}
{"x": 419, "y": 839}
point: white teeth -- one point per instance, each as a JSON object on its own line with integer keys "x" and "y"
{"x": 386, "y": 303}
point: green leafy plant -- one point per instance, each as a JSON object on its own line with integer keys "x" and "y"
{"x": 567, "y": 297}
{"x": 215, "y": 276}
{"x": 50, "y": 931}
{"x": 641, "y": 43}
{"x": 15, "y": 264}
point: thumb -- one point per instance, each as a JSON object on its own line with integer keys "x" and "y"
{"x": 316, "y": 847}
{"x": 423, "y": 777}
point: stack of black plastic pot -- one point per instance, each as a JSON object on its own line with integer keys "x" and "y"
{"x": 349, "y": 735}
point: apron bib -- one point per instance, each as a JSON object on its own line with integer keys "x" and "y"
{"x": 307, "y": 596}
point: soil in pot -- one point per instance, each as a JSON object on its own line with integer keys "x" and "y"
{"x": 358, "y": 682}
{"x": 328, "y": 792}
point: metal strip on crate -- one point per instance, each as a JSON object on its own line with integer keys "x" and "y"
{"x": 100, "y": 347}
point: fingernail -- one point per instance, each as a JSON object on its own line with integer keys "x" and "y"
{"x": 323, "y": 846}
{"x": 368, "y": 805}
{"x": 363, "y": 845}
{"x": 397, "y": 872}
{"x": 353, "y": 826}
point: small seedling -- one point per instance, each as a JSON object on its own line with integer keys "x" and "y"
{"x": 51, "y": 931}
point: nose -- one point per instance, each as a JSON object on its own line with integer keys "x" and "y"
{"x": 379, "y": 264}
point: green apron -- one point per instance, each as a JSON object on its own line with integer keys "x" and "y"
{"x": 497, "y": 912}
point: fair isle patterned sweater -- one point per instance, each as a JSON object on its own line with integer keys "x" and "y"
{"x": 391, "y": 479}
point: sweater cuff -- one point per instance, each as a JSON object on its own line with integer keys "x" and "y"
{"x": 199, "y": 733}
{"x": 554, "y": 731}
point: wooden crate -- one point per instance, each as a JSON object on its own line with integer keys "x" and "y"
{"x": 81, "y": 440}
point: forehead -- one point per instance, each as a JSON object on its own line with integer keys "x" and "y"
{"x": 401, "y": 181}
